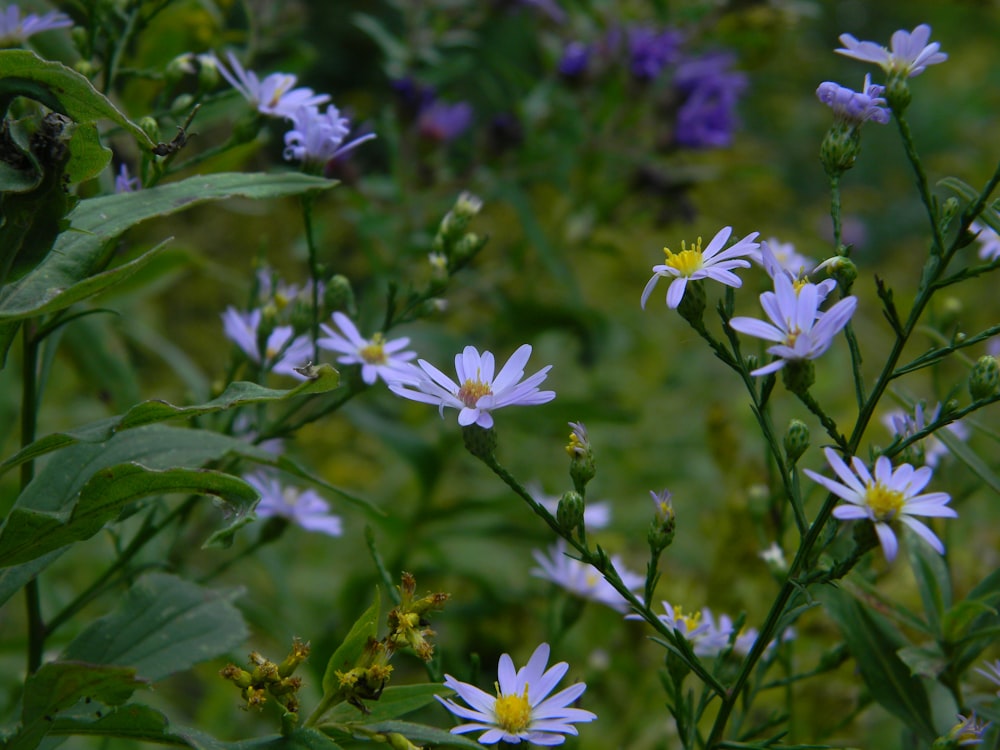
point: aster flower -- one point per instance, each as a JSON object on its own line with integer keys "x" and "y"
{"x": 707, "y": 638}
{"x": 282, "y": 354}
{"x": 125, "y": 182}
{"x": 903, "y": 424}
{"x": 650, "y": 51}
{"x": 378, "y": 358}
{"x": 442, "y": 122}
{"x": 989, "y": 241}
{"x": 908, "y": 56}
{"x": 275, "y": 95}
{"x": 477, "y": 392}
{"x": 799, "y": 328}
{"x": 693, "y": 263}
{"x": 303, "y": 507}
{"x": 855, "y": 107}
{"x": 15, "y": 29}
{"x": 596, "y": 515}
{"x": 318, "y": 137}
{"x": 582, "y": 579}
{"x": 781, "y": 257}
{"x": 521, "y": 710}
{"x": 888, "y": 496}
{"x": 967, "y": 732}
{"x": 707, "y": 116}
{"x": 575, "y": 59}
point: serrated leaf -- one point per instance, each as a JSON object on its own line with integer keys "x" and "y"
{"x": 28, "y": 533}
{"x": 395, "y": 701}
{"x": 348, "y": 652}
{"x": 237, "y": 394}
{"x": 873, "y": 643}
{"x": 63, "y": 277}
{"x": 163, "y": 625}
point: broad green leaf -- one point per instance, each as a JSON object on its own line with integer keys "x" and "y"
{"x": 59, "y": 685}
{"x": 395, "y": 701}
{"x": 28, "y": 534}
{"x": 99, "y": 357}
{"x": 163, "y": 625}
{"x": 133, "y": 721}
{"x": 55, "y": 283}
{"x": 874, "y": 644}
{"x": 14, "y": 578}
{"x": 59, "y": 88}
{"x": 933, "y": 579}
{"x": 301, "y": 738}
{"x": 347, "y": 653}
{"x": 419, "y": 734}
{"x": 926, "y": 661}
{"x": 240, "y": 393}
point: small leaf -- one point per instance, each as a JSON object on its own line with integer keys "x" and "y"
{"x": 163, "y": 625}
{"x": 347, "y": 654}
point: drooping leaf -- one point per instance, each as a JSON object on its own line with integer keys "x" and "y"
{"x": 933, "y": 579}
{"x": 63, "y": 277}
{"x": 874, "y": 644}
{"x": 978, "y": 619}
{"x": 163, "y": 625}
{"x": 395, "y": 701}
{"x": 237, "y": 394}
{"x": 351, "y": 648}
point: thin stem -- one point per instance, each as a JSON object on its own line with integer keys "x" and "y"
{"x": 922, "y": 185}
{"x": 835, "y": 213}
{"x": 29, "y": 417}
{"x": 308, "y": 200}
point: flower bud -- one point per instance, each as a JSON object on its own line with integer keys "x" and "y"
{"x": 298, "y": 654}
{"x": 692, "y": 305}
{"x": 796, "y": 440}
{"x": 339, "y": 295}
{"x": 798, "y": 375}
{"x": 481, "y": 443}
{"x": 85, "y": 68}
{"x": 150, "y": 127}
{"x": 897, "y": 94}
{"x": 581, "y": 457}
{"x": 841, "y": 268}
{"x": 840, "y": 148}
{"x": 467, "y": 247}
{"x": 664, "y": 524}
{"x": 208, "y": 73}
{"x": 984, "y": 378}
{"x": 569, "y": 512}
{"x": 180, "y": 66}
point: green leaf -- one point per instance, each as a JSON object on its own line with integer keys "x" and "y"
{"x": 163, "y": 625}
{"x": 981, "y": 633}
{"x": 419, "y": 733}
{"x": 133, "y": 721}
{"x": 28, "y": 533}
{"x": 927, "y": 661}
{"x": 874, "y": 644}
{"x": 957, "y": 623}
{"x": 989, "y": 216}
{"x": 56, "y": 282}
{"x": 348, "y": 652}
{"x": 57, "y": 686}
{"x": 970, "y": 458}
{"x": 395, "y": 701}
{"x": 14, "y": 578}
{"x": 237, "y": 394}
{"x": 59, "y": 88}
{"x": 933, "y": 579}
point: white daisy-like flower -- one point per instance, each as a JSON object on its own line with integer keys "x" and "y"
{"x": 800, "y": 330}
{"x": 284, "y": 351}
{"x": 596, "y": 515}
{"x": 693, "y": 263}
{"x": 378, "y": 357}
{"x": 303, "y": 507}
{"x": 903, "y": 424}
{"x": 782, "y": 257}
{"x": 908, "y": 55}
{"x": 989, "y": 241}
{"x": 477, "y": 392}
{"x": 584, "y": 580}
{"x": 888, "y": 496}
{"x": 276, "y": 95}
{"x": 522, "y": 710}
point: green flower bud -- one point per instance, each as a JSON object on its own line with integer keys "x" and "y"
{"x": 581, "y": 464}
{"x": 339, "y": 295}
{"x": 467, "y": 247}
{"x": 180, "y": 66}
{"x": 150, "y": 127}
{"x": 692, "y": 305}
{"x": 208, "y": 73}
{"x": 840, "y": 148}
{"x": 569, "y": 512}
{"x": 984, "y": 378}
{"x": 897, "y": 94}
{"x": 479, "y": 442}
{"x": 798, "y": 375}
{"x": 81, "y": 40}
{"x": 182, "y": 103}
{"x": 85, "y": 68}
{"x": 664, "y": 524}
{"x": 796, "y": 440}
{"x": 841, "y": 268}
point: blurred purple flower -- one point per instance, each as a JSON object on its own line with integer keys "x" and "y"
{"x": 303, "y": 507}
{"x": 14, "y": 29}
{"x": 650, "y": 51}
{"x": 442, "y": 122}
{"x": 413, "y": 95}
{"x": 855, "y": 106}
{"x": 126, "y": 183}
{"x": 707, "y": 118}
{"x": 575, "y": 60}
{"x": 318, "y": 137}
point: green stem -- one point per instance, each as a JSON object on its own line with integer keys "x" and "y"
{"x": 308, "y": 200}
{"x": 826, "y": 420}
{"x": 835, "y": 214}
{"x": 922, "y": 185}
{"x": 29, "y": 417}
{"x": 121, "y": 41}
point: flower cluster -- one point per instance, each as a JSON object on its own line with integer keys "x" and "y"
{"x": 522, "y": 710}
{"x": 282, "y": 352}
{"x": 584, "y": 580}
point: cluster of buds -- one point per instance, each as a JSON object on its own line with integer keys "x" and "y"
{"x": 367, "y": 679}
{"x": 581, "y": 457}
{"x": 453, "y": 247}
{"x": 266, "y": 678}
{"x": 408, "y": 626}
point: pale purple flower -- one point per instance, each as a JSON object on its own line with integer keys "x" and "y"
{"x": 317, "y": 137}
{"x": 276, "y": 95}
{"x": 125, "y": 182}
{"x": 522, "y": 710}
{"x": 782, "y": 257}
{"x": 575, "y": 59}
{"x": 582, "y": 579}
{"x": 693, "y": 263}
{"x": 707, "y": 116}
{"x": 707, "y": 638}
{"x": 477, "y": 392}
{"x": 855, "y": 106}
{"x": 378, "y": 358}
{"x": 442, "y": 122}
{"x": 283, "y": 352}
{"x": 303, "y": 507}
{"x": 989, "y": 241}
{"x": 968, "y": 731}
{"x": 903, "y": 424}
{"x": 908, "y": 55}
{"x": 798, "y": 327}
{"x": 15, "y": 29}
{"x": 886, "y": 497}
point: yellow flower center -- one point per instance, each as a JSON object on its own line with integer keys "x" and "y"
{"x": 281, "y": 90}
{"x": 885, "y": 503}
{"x": 374, "y": 354}
{"x": 687, "y": 623}
{"x": 687, "y": 261}
{"x": 513, "y": 711}
{"x": 472, "y": 390}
